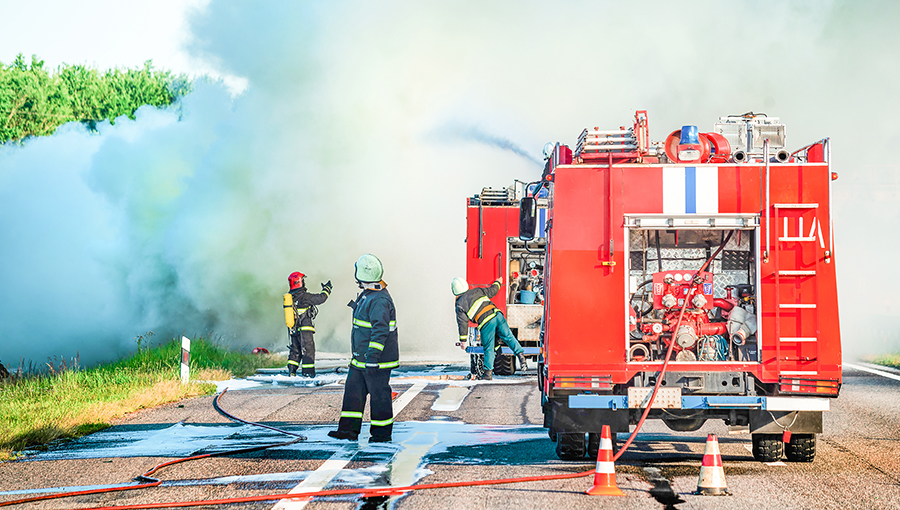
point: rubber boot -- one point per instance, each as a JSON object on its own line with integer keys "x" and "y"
{"x": 292, "y": 370}
{"x": 343, "y": 434}
{"x": 523, "y": 364}
{"x": 488, "y": 375}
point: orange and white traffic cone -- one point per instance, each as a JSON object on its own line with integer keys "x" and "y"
{"x": 712, "y": 474}
{"x": 605, "y": 473}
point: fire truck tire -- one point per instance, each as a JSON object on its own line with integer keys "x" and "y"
{"x": 476, "y": 364}
{"x": 801, "y": 448}
{"x": 767, "y": 447}
{"x": 593, "y": 444}
{"x": 504, "y": 365}
{"x": 570, "y": 446}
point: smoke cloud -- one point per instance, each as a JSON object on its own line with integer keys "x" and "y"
{"x": 364, "y": 126}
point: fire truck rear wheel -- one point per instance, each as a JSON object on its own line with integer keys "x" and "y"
{"x": 801, "y": 448}
{"x": 504, "y": 365}
{"x": 570, "y": 446}
{"x": 593, "y": 445}
{"x": 767, "y": 447}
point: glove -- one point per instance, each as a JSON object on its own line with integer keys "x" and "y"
{"x": 462, "y": 344}
{"x": 499, "y": 280}
{"x": 326, "y": 287}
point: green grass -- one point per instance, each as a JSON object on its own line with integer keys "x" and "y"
{"x": 888, "y": 360}
{"x": 35, "y": 411}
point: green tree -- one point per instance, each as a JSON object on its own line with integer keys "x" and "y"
{"x": 31, "y": 102}
{"x": 34, "y": 103}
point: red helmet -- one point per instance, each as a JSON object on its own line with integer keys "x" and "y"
{"x": 296, "y": 280}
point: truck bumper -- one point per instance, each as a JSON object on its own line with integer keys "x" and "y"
{"x": 529, "y": 351}
{"x": 615, "y": 402}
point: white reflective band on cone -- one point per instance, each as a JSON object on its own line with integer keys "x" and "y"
{"x": 606, "y": 467}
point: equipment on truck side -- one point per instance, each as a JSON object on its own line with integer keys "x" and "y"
{"x": 715, "y": 246}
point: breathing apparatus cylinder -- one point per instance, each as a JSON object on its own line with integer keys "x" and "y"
{"x": 289, "y": 310}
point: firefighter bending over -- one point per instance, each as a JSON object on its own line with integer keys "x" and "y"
{"x": 375, "y": 352}
{"x": 299, "y": 312}
{"x": 475, "y": 305}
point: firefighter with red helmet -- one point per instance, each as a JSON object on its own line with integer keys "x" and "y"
{"x": 299, "y": 312}
{"x": 475, "y": 305}
{"x": 375, "y": 353}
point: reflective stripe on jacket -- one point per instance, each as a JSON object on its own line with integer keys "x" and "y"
{"x": 374, "y": 338}
{"x": 475, "y": 305}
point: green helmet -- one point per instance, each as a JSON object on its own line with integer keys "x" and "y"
{"x": 368, "y": 269}
{"x": 458, "y": 286}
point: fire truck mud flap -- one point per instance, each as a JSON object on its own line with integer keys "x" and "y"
{"x": 777, "y": 422}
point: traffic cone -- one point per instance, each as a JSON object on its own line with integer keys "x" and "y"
{"x": 605, "y": 473}
{"x": 712, "y": 474}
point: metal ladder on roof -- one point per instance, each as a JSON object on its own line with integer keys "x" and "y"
{"x": 786, "y": 272}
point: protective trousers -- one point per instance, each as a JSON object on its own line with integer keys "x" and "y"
{"x": 494, "y": 327}
{"x": 359, "y": 384}
{"x": 302, "y": 354}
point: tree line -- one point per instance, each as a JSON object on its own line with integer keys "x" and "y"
{"x": 34, "y": 101}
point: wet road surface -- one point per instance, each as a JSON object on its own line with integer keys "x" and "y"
{"x": 447, "y": 429}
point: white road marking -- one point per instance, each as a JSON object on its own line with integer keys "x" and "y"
{"x": 319, "y": 478}
{"x": 404, "y": 464}
{"x": 450, "y": 398}
{"x": 407, "y": 396}
{"x": 873, "y": 371}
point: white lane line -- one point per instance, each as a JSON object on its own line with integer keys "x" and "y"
{"x": 319, "y": 478}
{"x": 407, "y": 396}
{"x": 873, "y": 371}
{"x": 450, "y": 398}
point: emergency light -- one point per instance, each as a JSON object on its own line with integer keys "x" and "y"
{"x": 689, "y": 145}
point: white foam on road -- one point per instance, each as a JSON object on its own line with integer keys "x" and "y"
{"x": 423, "y": 439}
{"x": 332, "y": 467}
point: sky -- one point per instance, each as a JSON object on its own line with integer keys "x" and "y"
{"x": 324, "y": 130}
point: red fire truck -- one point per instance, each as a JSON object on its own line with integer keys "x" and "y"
{"x": 494, "y": 249}
{"x": 699, "y": 271}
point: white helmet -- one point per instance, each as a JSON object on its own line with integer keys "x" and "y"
{"x": 458, "y": 286}
{"x": 368, "y": 269}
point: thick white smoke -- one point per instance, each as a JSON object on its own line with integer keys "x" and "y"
{"x": 364, "y": 127}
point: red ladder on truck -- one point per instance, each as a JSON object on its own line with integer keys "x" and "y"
{"x": 806, "y": 305}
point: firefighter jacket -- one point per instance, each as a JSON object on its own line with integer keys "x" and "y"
{"x": 374, "y": 337}
{"x": 305, "y": 308}
{"x": 475, "y": 305}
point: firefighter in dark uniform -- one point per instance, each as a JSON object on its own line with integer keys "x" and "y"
{"x": 475, "y": 305}
{"x": 375, "y": 353}
{"x": 300, "y": 310}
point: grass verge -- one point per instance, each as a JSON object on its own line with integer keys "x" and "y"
{"x": 35, "y": 411}
{"x": 887, "y": 360}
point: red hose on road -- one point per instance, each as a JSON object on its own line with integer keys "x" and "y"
{"x": 369, "y": 492}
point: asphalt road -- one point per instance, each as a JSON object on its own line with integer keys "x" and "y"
{"x": 453, "y": 430}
